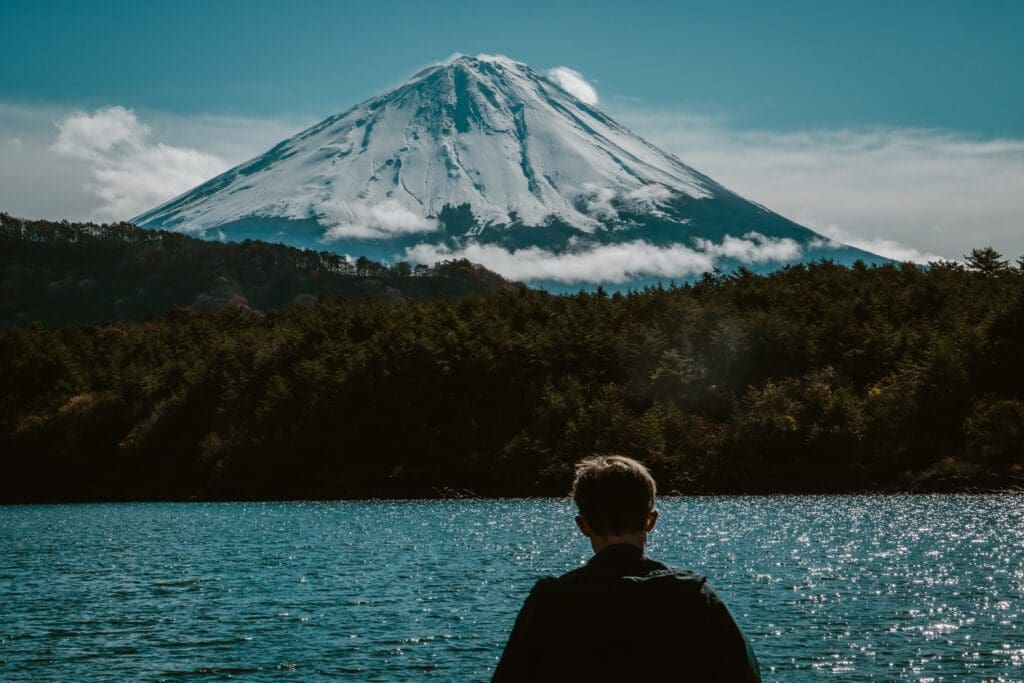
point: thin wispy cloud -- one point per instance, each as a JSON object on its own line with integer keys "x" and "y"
{"x": 903, "y": 193}
{"x": 574, "y": 83}
{"x": 615, "y": 263}
{"x": 834, "y": 235}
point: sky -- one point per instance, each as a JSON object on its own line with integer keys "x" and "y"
{"x": 896, "y": 127}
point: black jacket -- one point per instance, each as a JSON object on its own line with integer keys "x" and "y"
{"x": 625, "y": 617}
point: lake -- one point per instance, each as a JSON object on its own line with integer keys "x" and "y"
{"x": 849, "y": 588}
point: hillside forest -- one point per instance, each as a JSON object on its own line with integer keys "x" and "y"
{"x": 395, "y": 382}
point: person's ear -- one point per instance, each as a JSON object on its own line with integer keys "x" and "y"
{"x": 581, "y": 522}
{"x": 652, "y": 519}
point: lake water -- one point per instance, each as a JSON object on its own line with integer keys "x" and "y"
{"x": 922, "y": 588}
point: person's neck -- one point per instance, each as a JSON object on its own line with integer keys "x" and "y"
{"x": 599, "y": 543}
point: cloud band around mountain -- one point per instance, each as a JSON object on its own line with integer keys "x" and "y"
{"x": 902, "y": 193}
{"x": 614, "y": 263}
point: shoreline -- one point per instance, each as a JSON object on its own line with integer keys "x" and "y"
{"x": 1013, "y": 490}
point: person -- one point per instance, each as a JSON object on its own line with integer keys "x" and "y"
{"x": 623, "y": 616}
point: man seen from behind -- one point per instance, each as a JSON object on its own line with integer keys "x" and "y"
{"x": 623, "y": 616}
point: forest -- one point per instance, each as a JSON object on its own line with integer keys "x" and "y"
{"x": 84, "y": 273}
{"x": 817, "y": 378}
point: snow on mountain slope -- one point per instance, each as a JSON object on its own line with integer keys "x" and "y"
{"x": 536, "y": 167}
{"x": 492, "y": 133}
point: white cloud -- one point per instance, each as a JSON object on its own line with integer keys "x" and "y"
{"x": 130, "y": 174}
{"x": 897, "y": 192}
{"x": 833, "y": 235}
{"x": 753, "y": 248}
{"x": 107, "y": 161}
{"x": 650, "y": 194}
{"x": 381, "y": 221}
{"x": 574, "y": 83}
{"x": 484, "y": 57}
{"x": 90, "y": 136}
{"x": 606, "y": 263}
{"x": 614, "y": 263}
{"x": 599, "y": 201}
{"x": 902, "y": 193}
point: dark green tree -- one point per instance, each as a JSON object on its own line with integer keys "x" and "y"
{"x": 986, "y": 261}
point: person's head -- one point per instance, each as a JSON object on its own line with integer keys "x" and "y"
{"x": 615, "y": 497}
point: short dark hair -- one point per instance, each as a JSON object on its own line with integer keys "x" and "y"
{"x": 615, "y": 494}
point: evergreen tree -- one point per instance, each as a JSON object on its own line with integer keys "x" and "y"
{"x": 986, "y": 261}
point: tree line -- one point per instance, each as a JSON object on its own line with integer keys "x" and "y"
{"x": 62, "y": 273}
{"x": 815, "y": 378}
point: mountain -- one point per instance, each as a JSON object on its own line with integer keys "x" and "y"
{"x": 486, "y": 158}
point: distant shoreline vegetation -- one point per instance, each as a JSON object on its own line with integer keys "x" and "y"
{"x": 291, "y": 378}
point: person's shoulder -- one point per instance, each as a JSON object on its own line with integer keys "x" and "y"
{"x": 655, "y": 570}
{"x": 691, "y": 580}
{"x": 544, "y": 586}
{"x": 551, "y": 586}
{"x": 553, "y": 583}
{"x": 697, "y": 586}
{"x": 544, "y": 583}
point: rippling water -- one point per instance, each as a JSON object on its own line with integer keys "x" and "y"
{"x": 922, "y": 588}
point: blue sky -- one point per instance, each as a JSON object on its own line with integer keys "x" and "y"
{"x": 779, "y": 65}
{"x": 899, "y": 93}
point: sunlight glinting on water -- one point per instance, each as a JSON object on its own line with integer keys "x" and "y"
{"x": 922, "y": 588}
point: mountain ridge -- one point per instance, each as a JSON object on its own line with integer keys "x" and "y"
{"x": 60, "y": 273}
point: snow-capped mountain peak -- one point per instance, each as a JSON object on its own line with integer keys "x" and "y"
{"x": 485, "y": 157}
{"x": 485, "y": 131}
